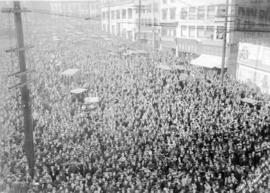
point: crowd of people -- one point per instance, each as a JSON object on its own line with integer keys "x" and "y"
{"x": 154, "y": 130}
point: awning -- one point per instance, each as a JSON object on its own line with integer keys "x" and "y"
{"x": 208, "y": 61}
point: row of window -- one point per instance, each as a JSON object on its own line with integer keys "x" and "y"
{"x": 116, "y": 31}
{"x": 204, "y": 32}
{"x": 168, "y": 1}
{"x": 117, "y": 14}
{"x": 193, "y": 13}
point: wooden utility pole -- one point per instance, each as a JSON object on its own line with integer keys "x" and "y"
{"x": 139, "y": 25}
{"x": 223, "y": 53}
{"x": 153, "y": 24}
{"x": 25, "y": 98}
{"x": 224, "y": 43}
{"x": 109, "y": 16}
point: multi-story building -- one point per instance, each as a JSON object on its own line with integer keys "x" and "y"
{"x": 201, "y": 27}
{"x": 150, "y": 22}
{"x": 134, "y": 20}
{"x": 91, "y": 8}
{"x": 119, "y": 18}
{"x": 169, "y": 19}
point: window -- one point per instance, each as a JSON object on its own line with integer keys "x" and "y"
{"x": 164, "y": 32}
{"x": 172, "y": 13}
{"x": 174, "y": 32}
{"x": 211, "y": 12}
{"x": 129, "y": 13}
{"x": 118, "y": 14}
{"x": 221, "y": 10}
{"x": 156, "y": 7}
{"x": 112, "y": 14}
{"x": 164, "y": 14}
{"x": 113, "y": 29}
{"x": 184, "y": 31}
{"x": 192, "y": 13}
{"x": 209, "y": 33}
{"x": 201, "y": 13}
{"x": 104, "y": 14}
{"x": 192, "y": 32}
{"x": 183, "y": 14}
{"x": 200, "y": 32}
{"x": 129, "y": 34}
{"x": 124, "y": 14}
{"x": 220, "y": 33}
{"x": 149, "y": 9}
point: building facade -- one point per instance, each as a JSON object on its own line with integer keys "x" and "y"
{"x": 169, "y": 18}
{"x": 251, "y": 43}
{"x": 91, "y": 8}
{"x": 133, "y": 20}
{"x": 119, "y": 18}
{"x": 200, "y": 28}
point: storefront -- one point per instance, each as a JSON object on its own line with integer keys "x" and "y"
{"x": 253, "y": 65}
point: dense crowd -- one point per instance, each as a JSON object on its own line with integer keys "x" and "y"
{"x": 153, "y": 130}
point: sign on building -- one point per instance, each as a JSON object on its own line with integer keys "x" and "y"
{"x": 254, "y": 66}
{"x": 252, "y": 15}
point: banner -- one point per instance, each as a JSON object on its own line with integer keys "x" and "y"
{"x": 252, "y": 15}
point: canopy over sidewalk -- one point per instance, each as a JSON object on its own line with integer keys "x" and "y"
{"x": 208, "y": 61}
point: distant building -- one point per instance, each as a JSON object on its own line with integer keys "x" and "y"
{"x": 91, "y": 8}
{"x": 200, "y": 28}
{"x": 169, "y": 19}
{"x": 131, "y": 19}
{"x": 119, "y": 18}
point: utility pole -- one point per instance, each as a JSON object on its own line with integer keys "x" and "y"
{"x": 223, "y": 52}
{"x": 25, "y": 93}
{"x": 89, "y": 15}
{"x": 224, "y": 43}
{"x": 153, "y": 24}
{"x": 109, "y": 16}
{"x": 139, "y": 25}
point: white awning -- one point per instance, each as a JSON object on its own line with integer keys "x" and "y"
{"x": 70, "y": 72}
{"x": 78, "y": 91}
{"x": 208, "y": 61}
